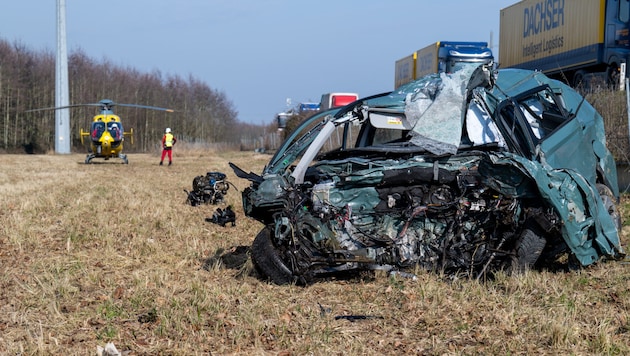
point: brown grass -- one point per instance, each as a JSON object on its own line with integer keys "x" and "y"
{"x": 612, "y": 106}
{"x": 108, "y": 252}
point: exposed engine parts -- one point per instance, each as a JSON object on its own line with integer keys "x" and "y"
{"x": 208, "y": 189}
{"x": 462, "y": 227}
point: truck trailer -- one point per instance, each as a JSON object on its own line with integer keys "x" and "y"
{"x": 575, "y": 41}
{"x": 443, "y": 56}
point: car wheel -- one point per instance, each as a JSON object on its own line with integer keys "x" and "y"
{"x": 529, "y": 247}
{"x": 268, "y": 261}
{"x": 609, "y": 200}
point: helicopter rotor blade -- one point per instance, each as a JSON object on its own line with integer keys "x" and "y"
{"x": 145, "y": 107}
{"x": 63, "y": 107}
{"x": 105, "y": 104}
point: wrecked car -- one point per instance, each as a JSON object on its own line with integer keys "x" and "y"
{"x": 465, "y": 174}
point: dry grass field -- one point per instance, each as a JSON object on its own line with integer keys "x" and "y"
{"x": 107, "y": 252}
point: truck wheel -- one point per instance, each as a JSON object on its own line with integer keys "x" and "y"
{"x": 613, "y": 76}
{"x": 609, "y": 200}
{"x": 268, "y": 261}
{"x": 578, "y": 80}
{"x": 529, "y": 247}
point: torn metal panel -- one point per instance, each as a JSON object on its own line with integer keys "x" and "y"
{"x": 581, "y": 210}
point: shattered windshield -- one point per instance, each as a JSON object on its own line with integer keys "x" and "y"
{"x": 437, "y": 122}
{"x": 435, "y": 108}
{"x": 430, "y": 111}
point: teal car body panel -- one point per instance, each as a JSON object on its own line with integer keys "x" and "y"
{"x": 467, "y": 172}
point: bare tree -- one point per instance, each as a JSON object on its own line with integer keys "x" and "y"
{"x": 202, "y": 115}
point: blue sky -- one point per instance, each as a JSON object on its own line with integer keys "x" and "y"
{"x": 259, "y": 53}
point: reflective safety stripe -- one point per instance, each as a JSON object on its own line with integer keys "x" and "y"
{"x": 168, "y": 141}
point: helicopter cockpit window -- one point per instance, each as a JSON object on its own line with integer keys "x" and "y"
{"x": 115, "y": 129}
{"x": 98, "y": 128}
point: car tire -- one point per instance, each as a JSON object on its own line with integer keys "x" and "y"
{"x": 267, "y": 259}
{"x": 529, "y": 247}
{"x": 609, "y": 200}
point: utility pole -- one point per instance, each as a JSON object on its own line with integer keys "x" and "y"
{"x": 62, "y": 116}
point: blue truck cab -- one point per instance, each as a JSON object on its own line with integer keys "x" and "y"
{"x": 453, "y": 56}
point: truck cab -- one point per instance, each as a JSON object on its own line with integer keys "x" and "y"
{"x": 453, "y": 56}
{"x": 441, "y": 57}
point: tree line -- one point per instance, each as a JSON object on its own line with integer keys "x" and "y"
{"x": 27, "y": 81}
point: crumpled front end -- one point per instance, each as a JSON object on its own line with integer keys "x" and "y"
{"x": 392, "y": 214}
{"x": 267, "y": 198}
{"x": 467, "y": 215}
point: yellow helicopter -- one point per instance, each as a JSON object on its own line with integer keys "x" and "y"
{"x": 106, "y": 132}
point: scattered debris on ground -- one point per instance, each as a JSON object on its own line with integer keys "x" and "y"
{"x": 223, "y": 216}
{"x": 208, "y": 189}
{"x": 353, "y": 318}
{"x": 108, "y": 350}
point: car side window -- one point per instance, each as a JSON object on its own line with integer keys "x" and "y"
{"x": 542, "y": 113}
{"x": 515, "y": 130}
{"x": 532, "y": 110}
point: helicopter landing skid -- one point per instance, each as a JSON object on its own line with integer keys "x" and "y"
{"x": 88, "y": 158}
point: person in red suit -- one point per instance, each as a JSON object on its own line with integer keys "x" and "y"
{"x": 168, "y": 141}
